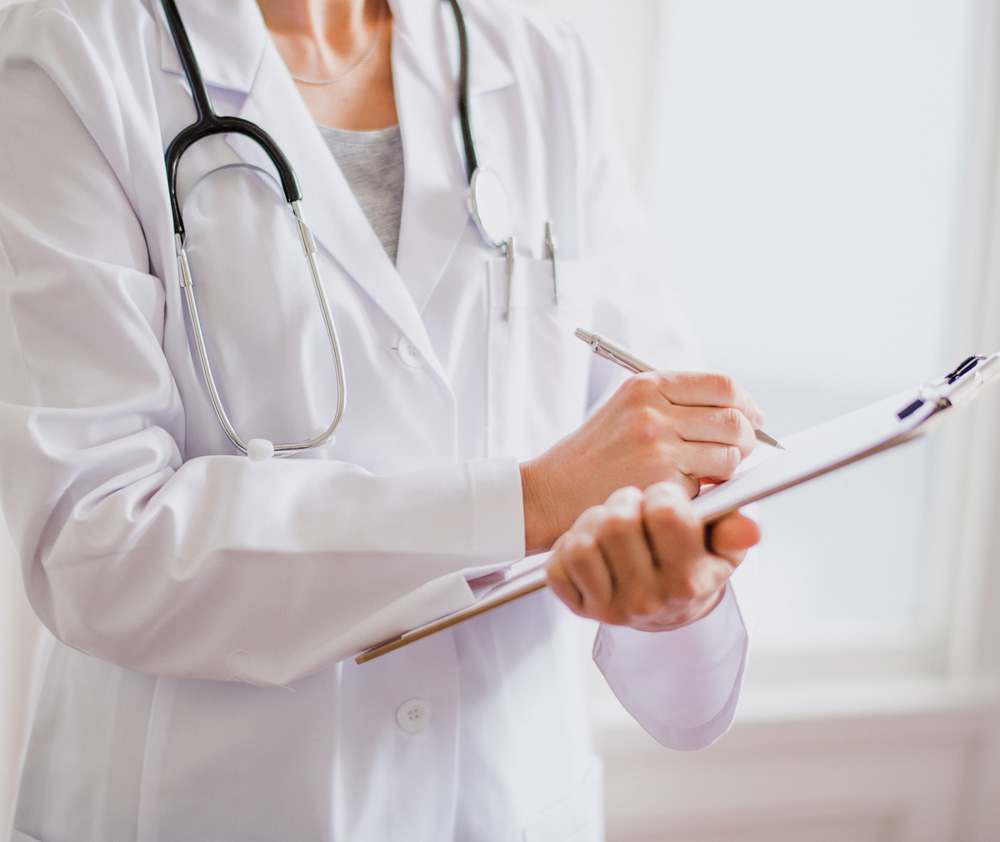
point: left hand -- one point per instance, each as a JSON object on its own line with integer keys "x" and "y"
{"x": 642, "y": 559}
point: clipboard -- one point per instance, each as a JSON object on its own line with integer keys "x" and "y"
{"x": 849, "y": 438}
{"x": 529, "y": 579}
{"x": 808, "y": 454}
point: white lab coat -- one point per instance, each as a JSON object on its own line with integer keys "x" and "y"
{"x": 199, "y": 604}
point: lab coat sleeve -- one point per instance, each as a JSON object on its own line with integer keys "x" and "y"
{"x": 681, "y": 686}
{"x": 129, "y": 553}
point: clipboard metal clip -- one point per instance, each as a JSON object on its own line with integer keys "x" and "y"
{"x": 944, "y": 391}
{"x": 963, "y": 368}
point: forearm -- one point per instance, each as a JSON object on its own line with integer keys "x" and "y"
{"x": 170, "y": 570}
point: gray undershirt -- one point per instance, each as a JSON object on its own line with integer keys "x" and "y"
{"x": 372, "y": 163}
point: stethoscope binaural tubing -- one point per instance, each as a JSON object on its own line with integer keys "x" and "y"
{"x": 487, "y": 205}
{"x": 209, "y": 123}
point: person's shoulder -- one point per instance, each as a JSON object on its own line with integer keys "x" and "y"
{"x": 44, "y": 13}
{"x": 43, "y": 27}
{"x": 82, "y": 55}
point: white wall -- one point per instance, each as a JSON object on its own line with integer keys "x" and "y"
{"x": 848, "y": 731}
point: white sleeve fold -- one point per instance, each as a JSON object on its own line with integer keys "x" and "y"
{"x": 214, "y": 567}
{"x": 681, "y": 686}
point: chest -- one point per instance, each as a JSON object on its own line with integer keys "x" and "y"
{"x": 453, "y": 352}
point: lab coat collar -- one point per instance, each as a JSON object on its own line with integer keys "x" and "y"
{"x": 230, "y": 61}
{"x": 425, "y": 68}
{"x": 425, "y": 60}
{"x": 426, "y": 26}
{"x": 428, "y": 29}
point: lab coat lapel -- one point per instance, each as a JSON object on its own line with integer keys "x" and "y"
{"x": 328, "y": 203}
{"x": 425, "y": 71}
{"x": 229, "y": 62}
{"x": 246, "y": 60}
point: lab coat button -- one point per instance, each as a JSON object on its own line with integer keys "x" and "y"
{"x": 408, "y": 352}
{"x": 413, "y": 715}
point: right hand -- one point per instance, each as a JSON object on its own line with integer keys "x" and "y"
{"x": 686, "y": 427}
{"x": 644, "y": 560}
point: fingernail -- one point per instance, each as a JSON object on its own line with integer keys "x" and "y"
{"x": 758, "y": 417}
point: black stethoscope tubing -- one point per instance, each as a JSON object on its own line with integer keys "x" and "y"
{"x": 209, "y": 123}
{"x": 487, "y": 205}
{"x": 471, "y": 160}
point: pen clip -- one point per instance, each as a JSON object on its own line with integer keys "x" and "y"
{"x": 610, "y": 351}
{"x": 608, "y": 354}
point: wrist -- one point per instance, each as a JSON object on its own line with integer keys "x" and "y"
{"x": 540, "y": 520}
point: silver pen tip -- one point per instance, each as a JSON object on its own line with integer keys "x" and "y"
{"x": 766, "y": 439}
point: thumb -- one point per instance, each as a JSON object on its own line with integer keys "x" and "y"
{"x": 734, "y": 533}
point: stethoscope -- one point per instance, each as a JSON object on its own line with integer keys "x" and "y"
{"x": 487, "y": 204}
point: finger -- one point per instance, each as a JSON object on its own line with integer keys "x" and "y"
{"x": 703, "y": 461}
{"x": 625, "y": 549}
{"x": 709, "y": 389}
{"x": 561, "y": 585}
{"x": 716, "y": 425}
{"x": 690, "y": 484}
{"x": 582, "y": 568}
{"x": 734, "y": 533}
{"x": 673, "y": 531}
{"x": 677, "y": 538}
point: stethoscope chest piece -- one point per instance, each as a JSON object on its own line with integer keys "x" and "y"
{"x": 489, "y": 207}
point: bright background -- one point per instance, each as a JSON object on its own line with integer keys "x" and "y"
{"x": 822, "y": 179}
{"x": 802, "y": 166}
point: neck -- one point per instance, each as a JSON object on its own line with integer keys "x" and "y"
{"x": 345, "y": 47}
{"x": 326, "y": 28}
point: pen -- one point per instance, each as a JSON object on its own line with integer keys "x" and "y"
{"x": 626, "y": 359}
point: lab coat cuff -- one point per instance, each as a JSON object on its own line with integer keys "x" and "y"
{"x": 498, "y": 508}
{"x": 682, "y": 685}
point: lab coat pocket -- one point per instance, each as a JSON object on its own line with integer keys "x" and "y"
{"x": 579, "y": 817}
{"x": 538, "y": 372}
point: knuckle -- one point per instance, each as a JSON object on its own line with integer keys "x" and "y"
{"x": 666, "y": 493}
{"x": 666, "y": 458}
{"x": 575, "y": 551}
{"x": 618, "y": 525}
{"x": 732, "y": 421}
{"x": 731, "y": 458}
{"x": 587, "y": 521}
{"x": 647, "y": 605}
{"x": 625, "y": 497}
{"x": 647, "y": 425}
{"x": 641, "y": 389}
{"x": 663, "y": 509}
{"x": 614, "y": 615}
{"x": 685, "y": 590}
{"x": 725, "y": 385}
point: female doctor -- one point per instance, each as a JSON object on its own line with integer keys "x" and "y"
{"x": 203, "y": 606}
